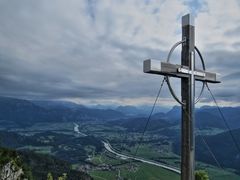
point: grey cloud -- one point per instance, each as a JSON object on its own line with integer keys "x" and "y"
{"x": 230, "y": 94}
{"x": 233, "y": 32}
{"x": 223, "y": 61}
{"x": 49, "y": 52}
{"x": 237, "y": 44}
{"x": 35, "y": 89}
{"x": 232, "y": 76}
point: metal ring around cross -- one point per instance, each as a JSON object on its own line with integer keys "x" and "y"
{"x": 167, "y": 77}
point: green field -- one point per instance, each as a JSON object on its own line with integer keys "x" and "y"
{"x": 37, "y": 149}
{"x": 145, "y": 171}
{"x": 142, "y": 172}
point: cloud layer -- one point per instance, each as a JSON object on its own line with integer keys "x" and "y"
{"x": 92, "y": 51}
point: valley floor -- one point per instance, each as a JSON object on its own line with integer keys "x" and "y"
{"x": 81, "y": 145}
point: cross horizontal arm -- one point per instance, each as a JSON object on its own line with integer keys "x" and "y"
{"x": 167, "y": 69}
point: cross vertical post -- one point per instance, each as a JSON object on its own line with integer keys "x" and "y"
{"x": 188, "y": 98}
{"x": 188, "y": 74}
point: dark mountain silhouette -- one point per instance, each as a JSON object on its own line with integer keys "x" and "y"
{"x": 206, "y": 117}
{"x": 20, "y": 112}
{"x": 17, "y": 112}
{"x": 129, "y": 110}
{"x": 23, "y": 112}
{"x": 232, "y": 114}
{"x": 174, "y": 115}
{"x": 221, "y": 145}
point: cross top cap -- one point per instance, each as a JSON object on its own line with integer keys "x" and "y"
{"x": 187, "y": 20}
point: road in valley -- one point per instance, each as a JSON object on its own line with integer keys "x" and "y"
{"x": 123, "y": 156}
{"x": 109, "y": 148}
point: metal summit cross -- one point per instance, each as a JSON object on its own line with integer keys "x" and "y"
{"x": 188, "y": 74}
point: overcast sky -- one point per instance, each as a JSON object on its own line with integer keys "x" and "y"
{"x": 92, "y": 51}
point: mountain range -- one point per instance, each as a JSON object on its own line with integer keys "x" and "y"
{"x": 24, "y": 112}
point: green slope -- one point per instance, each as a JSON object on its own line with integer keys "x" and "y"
{"x": 140, "y": 172}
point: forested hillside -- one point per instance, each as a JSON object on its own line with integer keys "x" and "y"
{"x": 35, "y": 166}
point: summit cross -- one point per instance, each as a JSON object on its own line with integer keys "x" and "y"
{"x": 188, "y": 74}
